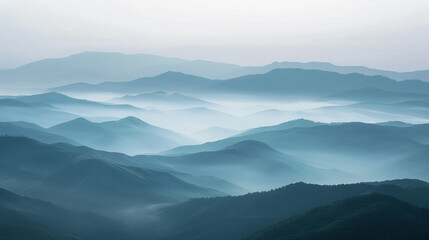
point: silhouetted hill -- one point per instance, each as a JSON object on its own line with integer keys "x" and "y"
{"x": 26, "y": 218}
{"x": 375, "y": 216}
{"x": 43, "y": 114}
{"x": 76, "y": 180}
{"x": 283, "y": 126}
{"x": 311, "y": 83}
{"x": 162, "y": 98}
{"x": 324, "y": 66}
{"x": 405, "y": 183}
{"x": 168, "y": 81}
{"x": 251, "y": 164}
{"x": 95, "y": 67}
{"x": 361, "y": 137}
{"x": 129, "y": 135}
{"x": 7, "y": 102}
{"x": 368, "y": 151}
{"x": 237, "y": 217}
{"x": 395, "y": 124}
{"x": 61, "y": 100}
{"x": 38, "y": 133}
{"x": 377, "y": 95}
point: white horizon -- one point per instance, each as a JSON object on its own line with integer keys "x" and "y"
{"x": 381, "y": 34}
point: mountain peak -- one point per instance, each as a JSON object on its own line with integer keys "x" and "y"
{"x": 46, "y": 97}
{"x": 80, "y": 121}
{"x": 132, "y": 120}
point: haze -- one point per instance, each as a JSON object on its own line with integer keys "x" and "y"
{"x": 381, "y": 34}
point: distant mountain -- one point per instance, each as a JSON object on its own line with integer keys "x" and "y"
{"x": 26, "y": 218}
{"x": 283, "y": 83}
{"x": 298, "y": 123}
{"x": 162, "y": 98}
{"x": 415, "y": 111}
{"x": 371, "y": 217}
{"x": 251, "y": 164}
{"x": 301, "y": 83}
{"x": 357, "y": 148}
{"x": 42, "y": 114}
{"x": 61, "y": 100}
{"x": 212, "y": 218}
{"x": 38, "y": 133}
{"x": 49, "y": 105}
{"x": 395, "y": 124}
{"x": 96, "y": 67}
{"x": 168, "y": 81}
{"x": 324, "y": 66}
{"x": 76, "y": 180}
{"x": 377, "y": 95}
{"x": 366, "y": 137}
{"x": 129, "y": 135}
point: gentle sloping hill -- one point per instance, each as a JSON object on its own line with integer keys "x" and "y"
{"x": 58, "y": 99}
{"x": 27, "y": 218}
{"x": 168, "y": 81}
{"x": 405, "y": 183}
{"x": 251, "y": 164}
{"x": 96, "y": 67}
{"x": 324, "y": 66}
{"x": 395, "y": 124}
{"x": 283, "y": 126}
{"x": 42, "y": 114}
{"x": 369, "y": 151}
{"x": 377, "y": 95}
{"x": 165, "y": 99}
{"x": 24, "y": 129}
{"x": 311, "y": 83}
{"x": 80, "y": 107}
{"x": 129, "y": 135}
{"x": 238, "y": 217}
{"x": 354, "y": 136}
{"x": 48, "y": 107}
{"x": 73, "y": 179}
{"x": 374, "y": 216}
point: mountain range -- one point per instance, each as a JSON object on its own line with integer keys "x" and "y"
{"x": 27, "y": 218}
{"x": 212, "y": 218}
{"x": 371, "y": 216}
{"x": 96, "y": 67}
{"x": 168, "y": 81}
{"x": 250, "y": 164}
{"x": 164, "y": 99}
{"x": 71, "y": 178}
{"x": 115, "y": 146}
{"x": 365, "y": 150}
{"x": 128, "y": 135}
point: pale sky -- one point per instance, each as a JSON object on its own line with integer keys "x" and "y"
{"x": 385, "y": 34}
